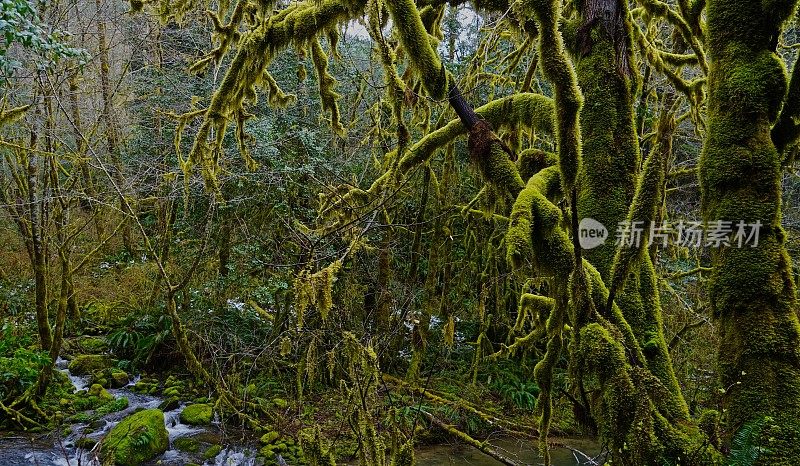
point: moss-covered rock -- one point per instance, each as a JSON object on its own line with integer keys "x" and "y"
{"x": 197, "y": 415}
{"x": 138, "y": 438}
{"x": 100, "y": 392}
{"x": 146, "y": 386}
{"x": 186, "y": 444}
{"x": 173, "y": 391}
{"x": 212, "y": 452}
{"x": 85, "y": 443}
{"x": 119, "y": 379}
{"x": 169, "y": 404}
{"x": 88, "y": 363}
{"x": 93, "y": 345}
{"x": 113, "y": 406}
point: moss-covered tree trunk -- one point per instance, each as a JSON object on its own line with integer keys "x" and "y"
{"x": 608, "y": 175}
{"x": 752, "y": 291}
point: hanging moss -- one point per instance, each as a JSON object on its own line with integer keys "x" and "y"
{"x": 414, "y": 37}
{"x": 531, "y": 161}
{"x": 13, "y": 114}
{"x": 493, "y": 159}
{"x": 314, "y": 450}
{"x": 326, "y": 82}
{"x": 297, "y": 24}
{"x": 557, "y": 68}
{"x": 315, "y": 289}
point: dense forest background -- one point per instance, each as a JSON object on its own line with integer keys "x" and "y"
{"x": 291, "y": 213}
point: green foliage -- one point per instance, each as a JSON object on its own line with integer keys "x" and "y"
{"x": 19, "y": 365}
{"x": 521, "y": 394}
{"x": 15, "y": 296}
{"x": 137, "y": 338}
{"x": 112, "y": 407}
{"x": 746, "y": 446}
{"x": 20, "y": 24}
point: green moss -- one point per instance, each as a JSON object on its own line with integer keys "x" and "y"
{"x": 186, "y": 444}
{"x": 280, "y": 403}
{"x": 531, "y": 161}
{"x": 169, "y": 404}
{"x": 414, "y": 38}
{"x": 526, "y": 110}
{"x": 93, "y": 345}
{"x": 610, "y": 147}
{"x": 100, "y": 392}
{"x": 138, "y": 438}
{"x": 112, "y": 407}
{"x": 269, "y": 438}
{"x": 492, "y": 158}
{"x": 145, "y": 386}
{"x": 535, "y": 237}
{"x": 327, "y": 83}
{"x": 752, "y": 290}
{"x": 314, "y": 450}
{"x": 197, "y": 414}
{"x": 212, "y": 452}
{"x": 558, "y": 69}
{"x": 119, "y": 379}
{"x": 88, "y": 363}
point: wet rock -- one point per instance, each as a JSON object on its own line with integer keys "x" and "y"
{"x": 212, "y": 452}
{"x": 169, "y": 404}
{"x": 197, "y": 415}
{"x": 89, "y": 363}
{"x": 138, "y": 438}
{"x": 85, "y": 443}
{"x": 186, "y": 444}
{"x": 119, "y": 379}
{"x": 100, "y": 392}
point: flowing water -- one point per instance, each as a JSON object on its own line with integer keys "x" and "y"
{"x": 53, "y": 450}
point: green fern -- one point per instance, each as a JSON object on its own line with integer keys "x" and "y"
{"x": 142, "y": 440}
{"x": 745, "y": 448}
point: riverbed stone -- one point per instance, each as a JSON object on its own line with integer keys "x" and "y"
{"x": 169, "y": 404}
{"x": 119, "y": 379}
{"x": 212, "y": 452}
{"x": 93, "y": 345}
{"x": 87, "y": 363}
{"x": 138, "y": 438}
{"x": 100, "y": 392}
{"x": 186, "y": 444}
{"x": 197, "y": 415}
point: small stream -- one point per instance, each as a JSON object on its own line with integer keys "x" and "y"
{"x": 53, "y": 450}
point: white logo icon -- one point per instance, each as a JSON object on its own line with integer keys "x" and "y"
{"x": 591, "y": 233}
